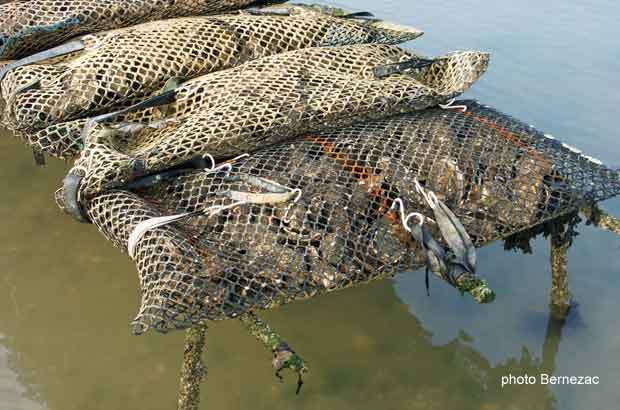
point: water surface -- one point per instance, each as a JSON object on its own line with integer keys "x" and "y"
{"x": 66, "y": 296}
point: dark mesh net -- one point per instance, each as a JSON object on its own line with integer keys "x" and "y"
{"x": 269, "y": 168}
{"x": 238, "y": 242}
{"x": 240, "y": 110}
{"x": 119, "y": 68}
{"x": 30, "y": 26}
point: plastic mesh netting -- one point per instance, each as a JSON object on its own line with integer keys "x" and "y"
{"x": 30, "y": 26}
{"x": 239, "y": 244}
{"x": 240, "y": 110}
{"x": 118, "y": 68}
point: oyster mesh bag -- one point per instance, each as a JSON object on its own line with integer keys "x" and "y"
{"x": 30, "y": 26}
{"x": 331, "y": 209}
{"x": 240, "y": 110}
{"x": 110, "y": 70}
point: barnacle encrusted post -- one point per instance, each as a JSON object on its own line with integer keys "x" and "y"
{"x": 560, "y": 295}
{"x": 601, "y": 219}
{"x": 476, "y": 287}
{"x": 193, "y": 370}
{"x": 283, "y": 356}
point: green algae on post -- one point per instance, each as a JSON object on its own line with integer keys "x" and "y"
{"x": 601, "y": 219}
{"x": 284, "y": 357}
{"x": 476, "y": 287}
{"x": 193, "y": 370}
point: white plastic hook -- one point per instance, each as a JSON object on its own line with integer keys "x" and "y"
{"x": 429, "y": 197}
{"x": 288, "y": 208}
{"x": 420, "y": 190}
{"x": 235, "y": 159}
{"x": 299, "y": 194}
{"x": 225, "y": 166}
{"x": 405, "y": 219}
{"x": 210, "y": 159}
{"x": 449, "y": 106}
{"x": 421, "y": 219}
{"x": 398, "y": 203}
{"x": 432, "y": 200}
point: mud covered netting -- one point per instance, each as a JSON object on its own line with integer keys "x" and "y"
{"x": 317, "y": 214}
{"x": 243, "y": 109}
{"x": 30, "y": 26}
{"x": 109, "y": 70}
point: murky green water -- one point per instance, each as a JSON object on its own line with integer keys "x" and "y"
{"x": 66, "y": 296}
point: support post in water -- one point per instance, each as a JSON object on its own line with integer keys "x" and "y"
{"x": 601, "y": 219}
{"x": 193, "y": 370}
{"x": 283, "y": 356}
{"x": 560, "y": 295}
{"x": 551, "y": 346}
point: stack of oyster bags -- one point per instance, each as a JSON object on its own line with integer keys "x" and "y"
{"x": 246, "y": 155}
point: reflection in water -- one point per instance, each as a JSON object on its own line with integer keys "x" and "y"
{"x": 552, "y": 343}
{"x": 67, "y": 296}
{"x": 367, "y": 351}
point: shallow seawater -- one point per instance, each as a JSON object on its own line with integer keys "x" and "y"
{"x": 66, "y": 296}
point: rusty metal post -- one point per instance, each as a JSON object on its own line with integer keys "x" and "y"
{"x": 193, "y": 371}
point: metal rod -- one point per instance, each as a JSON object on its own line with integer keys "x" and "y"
{"x": 193, "y": 371}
